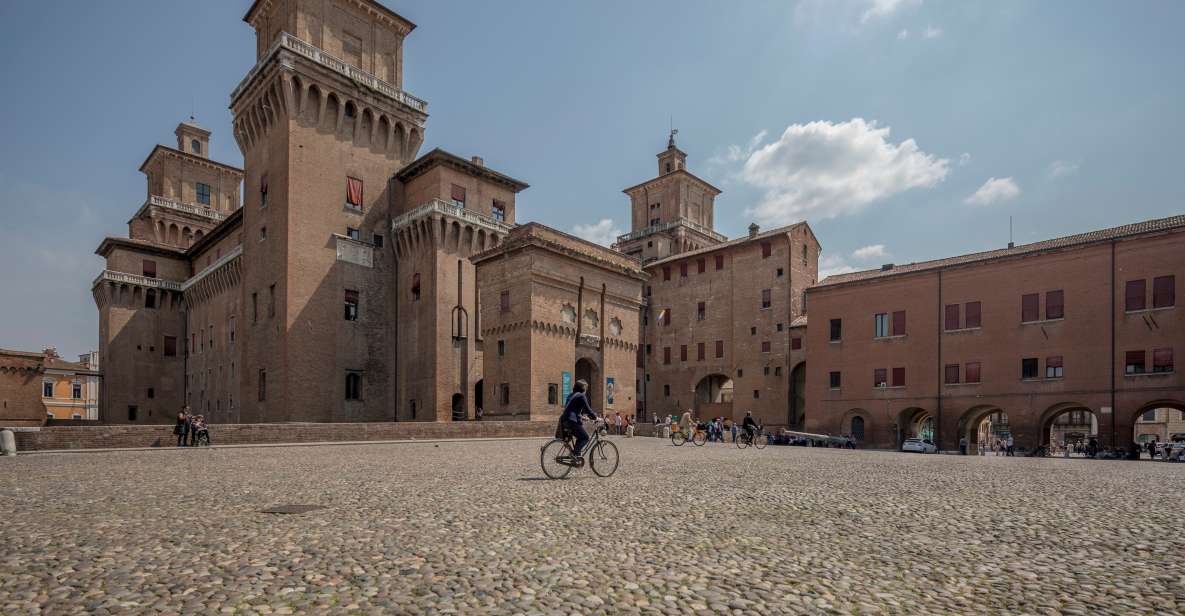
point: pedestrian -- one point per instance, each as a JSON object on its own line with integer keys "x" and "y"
{"x": 479, "y": 412}
{"x": 733, "y": 429}
{"x": 182, "y": 427}
{"x": 1009, "y": 444}
{"x": 191, "y": 423}
{"x": 963, "y": 446}
{"x": 617, "y": 423}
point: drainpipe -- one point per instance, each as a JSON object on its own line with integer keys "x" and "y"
{"x": 1112, "y": 291}
{"x": 579, "y": 312}
{"x": 601, "y": 345}
{"x": 941, "y": 376}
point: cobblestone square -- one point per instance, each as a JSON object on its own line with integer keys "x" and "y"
{"x": 472, "y": 527}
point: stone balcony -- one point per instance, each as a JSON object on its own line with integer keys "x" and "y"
{"x": 186, "y": 208}
{"x": 290, "y": 43}
{"x": 438, "y": 207}
{"x": 135, "y": 279}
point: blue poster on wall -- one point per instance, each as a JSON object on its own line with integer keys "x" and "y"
{"x": 609, "y": 386}
{"x": 566, "y": 385}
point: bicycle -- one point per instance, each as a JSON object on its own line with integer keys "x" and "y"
{"x": 556, "y": 456}
{"x": 759, "y": 439}
{"x": 203, "y": 438}
{"x": 699, "y": 437}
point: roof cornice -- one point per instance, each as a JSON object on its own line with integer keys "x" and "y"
{"x": 186, "y": 156}
{"x": 439, "y": 157}
{"x": 664, "y": 176}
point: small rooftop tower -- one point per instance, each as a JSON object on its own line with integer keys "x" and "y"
{"x": 192, "y": 138}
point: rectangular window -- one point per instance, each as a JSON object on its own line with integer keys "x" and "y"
{"x": 1134, "y": 362}
{"x": 1164, "y": 291}
{"x": 766, "y": 250}
{"x": 498, "y": 209}
{"x": 353, "y": 234}
{"x": 501, "y": 348}
{"x": 504, "y": 301}
{"x": 263, "y": 190}
{"x": 765, "y": 346}
{"x": 666, "y": 391}
{"x": 899, "y": 377}
{"x": 766, "y": 371}
{"x": 779, "y": 272}
{"x": 952, "y": 317}
{"x": 701, "y": 265}
{"x": 779, "y": 326}
{"x": 899, "y": 323}
{"x": 149, "y": 268}
{"x": 1028, "y": 368}
{"x": 880, "y": 323}
{"x": 719, "y": 348}
{"x": 47, "y": 389}
{"x": 683, "y": 270}
{"x": 719, "y": 262}
{"x": 1030, "y": 307}
{"x": 132, "y": 412}
{"x": 170, "y": 346}
{"x": 203, "y": 193}
{"x": 377, "y": 240}
{"x": 836, "y": 329}
{"x": 682, "y": 352}
{"x": 353, "y": 385}
{"x": 353, "y": 193}
{"x": 351, "y": 313}
{"x": 699, "y": 351}
{"x": 262, "y": 384}
{"x": 972, "y": 313}
{"x": 1053, "y": 367}
{"x": 666, "y": 355}
{"x": 151, "y": 393}
{"x": 952, "y": 374}
{"x": 666, "y": 317}
{"x": 700, "y": 311}
{"x": 795, "y": 343}
{"x": 834, "y": 380}
{"x": 666, "y": 272}
{"x": 1162, "y": 360}
{"x": 880, "y": 377}
{"x": 1054, "y": 305}
{"x": 756, "y": 394}
{"x": 457, "y": 194}
{"x": 971, "y": 372}
{"x": 766, "y": 298}
{"x": 1134, "y": 295}
{"x": 553, "y": 393}
{"x": 271, "y": 301}
{"x": 504, "y": 390}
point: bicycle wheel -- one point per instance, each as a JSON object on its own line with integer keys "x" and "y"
{"x": 699, "y": 438}
{"x": 604, "y": 459}
{"x": 761, "y": 440}
{"x": 553, "y": 457}
{"x": 204, "y": 440}
{"x": 742, "y": 441}
{"x": 678, "y": 438}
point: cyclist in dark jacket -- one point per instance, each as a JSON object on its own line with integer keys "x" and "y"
{"x": 577, "y": 407}
{"x": 750, "y": 424}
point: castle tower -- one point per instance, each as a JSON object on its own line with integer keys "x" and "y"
{"x": 671, "y": 213}
{"x": 323, "y": 124}
{"x": 446, "y": 210}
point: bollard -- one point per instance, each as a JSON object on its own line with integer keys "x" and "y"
{"x": 8, "y": 442}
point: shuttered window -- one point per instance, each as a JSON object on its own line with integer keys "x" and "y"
{"x": 880, "y": 377}
{"x": 719, "y": 348}
{"x": 699, "y": 351}
{"x": 1162, "y": 360}
{"x": 972, "y": 315}
{"x": 899, "y": 377}
{"x": 971, "y": 372}
{"x": 1164, "y": 292}
{"x": 149, "y": 268}
{"x": 1030, "y": 307}
{"x": 899, "y": 323}
{"x": 1054, "y": 305}
{"x": 701, "y": 266}
{"x": 765, "y": 346}
{"x": 1053, "y": 367}
{"x": 952, "y": 374}
{"x": 354, "y": 193}
{"x": 666, "y": 355}
{"x": 766, "y": 250}
{"x": 1134, "y": 362}
{"x": 1133, "y": 295}
{"x": 682, "y": 352}
{"x": 719, "y": 262}
{"x": 795, "y": 343}
{"x": 952, "y": 317}
{"x": 458, "y": 195}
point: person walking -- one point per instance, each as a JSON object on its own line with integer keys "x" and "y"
{"x": 963, "y": 446}
{"x": 182, "y": 427}
{"x": 617, "y": 423}
{"x": 1009, "y": 445}
{"x": 733, "y": 429}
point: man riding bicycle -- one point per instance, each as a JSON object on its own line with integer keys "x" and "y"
{"x": 577, "y": 407}
{"x": 750, "y": 425}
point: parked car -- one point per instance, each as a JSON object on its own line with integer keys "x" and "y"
{"x": 919, "y": 445}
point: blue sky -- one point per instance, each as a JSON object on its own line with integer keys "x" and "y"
{"x": 901, "y": 130}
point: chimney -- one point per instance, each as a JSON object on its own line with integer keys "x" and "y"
{"x": 886, "y": 267}
{"x": 479, "y": 161}
{"x": 754, "y": 230}
{"x": 50, "y": 352}
{"x": 1011, "y": 245}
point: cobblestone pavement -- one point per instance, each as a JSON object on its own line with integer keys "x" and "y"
{"x": 472, "y": 528}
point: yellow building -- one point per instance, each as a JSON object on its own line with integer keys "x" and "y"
{"x": 70, "y": 390}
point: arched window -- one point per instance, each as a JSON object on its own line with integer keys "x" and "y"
{"x": 195, "y": 146}
{"x": 858, "y": 428}
{"x": 353, "y": 386}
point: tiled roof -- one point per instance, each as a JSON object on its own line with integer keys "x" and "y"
{"x": 1069, "y": 241}
{"x": 57, "y": 363}
{"x": 730, "y": 243}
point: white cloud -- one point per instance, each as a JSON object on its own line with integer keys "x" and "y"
{"x": 874, "y": 251}
{"x": 736, "y": 153}
{"x": 603, "y": 232}
{"x": 993, "y": 191}
{"x": 1062, "y": 168}
{"x": 964, "y": 158}
{"x": 884, "y": 8}
{"x": 831, "y": 265}
{"x": 932, "y": 32}
{"x": 903, "y": 34}
{"x": 825, "y": 169}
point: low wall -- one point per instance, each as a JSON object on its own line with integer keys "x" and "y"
{"x": 112, "y": 436}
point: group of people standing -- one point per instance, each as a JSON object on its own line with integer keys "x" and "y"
{"x": 189, "y": 427}
{"x": 715, "y": 428}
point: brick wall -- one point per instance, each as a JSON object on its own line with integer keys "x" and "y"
{"x": 101, "y": 437}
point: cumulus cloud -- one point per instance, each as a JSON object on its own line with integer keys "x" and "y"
{"x": 603, "y": 232}
{"x": 874, "y": 251}
{"x": 903, "y": 34}
{"x": 932, "y": 32}
{"x": 827, "y": 169}
{"x": 1062, "y": 168}
{"x": 994, "y": 191}
{"x": 883, "y": 8}
{"x": 831, "y": 265}
{"x": 736, "y": 152}
{"x": 964, "y": 158}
